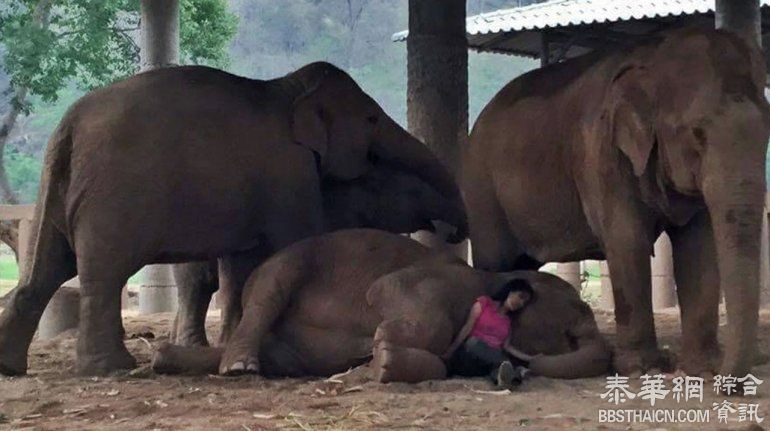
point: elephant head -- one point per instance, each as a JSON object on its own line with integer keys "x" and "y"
{"x": 698, "y": 133}
{"x": 561, "y": 327}
{"x": 392, "y": 200}
{"x": 350, "y": 134}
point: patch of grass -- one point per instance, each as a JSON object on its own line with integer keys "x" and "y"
{"x": 8, "y": 268}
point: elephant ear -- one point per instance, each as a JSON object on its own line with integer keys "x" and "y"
{"x": 631, "y": 116}
{"x": 309, "y": 125}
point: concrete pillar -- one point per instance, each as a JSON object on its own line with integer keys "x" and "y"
{"x": 606, "y": 300}
{"x": 62, "y": 312}
{"x": 570, "y": 272}
{"x": 157, "y": 294}
{"x": 160, "y": 34}
{"x": 159, "y": 48}
{"x": 741, "y": 16}
{"x": 437, "y": 84}
{"x": 663, "y": 285}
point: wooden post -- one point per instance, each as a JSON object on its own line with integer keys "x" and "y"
{"x": 663, "y": 285}
{"x": 25, "y": 248}
{"x": 437, "y": 84}
{"x": 569, "y": 272}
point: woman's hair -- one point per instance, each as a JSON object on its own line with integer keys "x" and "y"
{"x": 515, "y": 285}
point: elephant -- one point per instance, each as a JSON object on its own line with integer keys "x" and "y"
{"x": 337, "y": 300}
{"x": 594, "y": 157}
{"x": 192, "y": 164}
{"x": 383, "y": 198}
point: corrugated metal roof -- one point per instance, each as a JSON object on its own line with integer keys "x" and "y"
{"x": 565, "y": 13}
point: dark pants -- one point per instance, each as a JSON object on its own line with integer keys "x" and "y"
{"x": 475, "y": 358}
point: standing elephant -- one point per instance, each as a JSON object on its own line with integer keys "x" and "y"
{"x": 383, "y": 198}
{"x": 338, "y": 300}
{"x": 594, "y": 157}
{"x": 192, "y": 163}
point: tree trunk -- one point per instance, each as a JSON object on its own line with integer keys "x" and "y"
{"x": 9, "y": 121}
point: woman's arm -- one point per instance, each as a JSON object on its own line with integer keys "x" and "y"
{"x": 516, "y": 353}
{"x": 464, "y": 331}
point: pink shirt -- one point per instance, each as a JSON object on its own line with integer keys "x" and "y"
{"x": 491, "y": 327}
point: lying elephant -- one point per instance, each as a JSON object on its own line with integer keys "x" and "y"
{"x": 383, "y": 198}
{"x": 187, "y": 164}
{"x": 331, "y": 302}
{"x": 594, "y": 157}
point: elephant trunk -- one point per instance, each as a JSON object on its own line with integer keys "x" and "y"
{"x": 735, "y": 199}
{"x": 396, "y": 147}
{"x": 592, "y": 358}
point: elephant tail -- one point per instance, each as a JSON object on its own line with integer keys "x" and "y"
{"x": 592, "y": 358}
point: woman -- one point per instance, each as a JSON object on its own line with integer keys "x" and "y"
{"x": 481, "y": 345}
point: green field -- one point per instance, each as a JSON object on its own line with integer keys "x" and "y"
{"x": 8, "y": 268}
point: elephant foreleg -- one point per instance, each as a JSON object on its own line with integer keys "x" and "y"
{"x": 697, "y": 287}
{"x": 196, "y": 282}
{"x": 628, "y": 256}
{"x": 269, "y": 291}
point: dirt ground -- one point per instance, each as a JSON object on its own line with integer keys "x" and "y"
{"x": 51, "y": 397}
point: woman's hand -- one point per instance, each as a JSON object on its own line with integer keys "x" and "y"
{"x": 519, "y": 354}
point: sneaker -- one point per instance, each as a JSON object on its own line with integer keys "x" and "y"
{"x": 505, "y": 375}
{"x": 519, "y": 374}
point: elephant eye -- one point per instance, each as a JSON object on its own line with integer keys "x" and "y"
{"x": 372, "y": 119}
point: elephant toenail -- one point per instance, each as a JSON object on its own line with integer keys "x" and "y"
{"x": 252, "y": 367}
{"x": 237, "y": 366}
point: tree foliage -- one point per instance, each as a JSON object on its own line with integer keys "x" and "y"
{"x": 94, "y": 42}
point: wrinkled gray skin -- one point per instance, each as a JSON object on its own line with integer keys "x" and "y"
{"x": 594, "y": 157}
{"x": 192, "y": 164}
{"x": 383, "y": 198}
{"x": 338, "y": 300}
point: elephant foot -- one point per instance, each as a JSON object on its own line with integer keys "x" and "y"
{"x": 704, "y": 363}
{"x": 191, "y": 340}
{"x": 105, "y": 363}
{"x": 392, "y": 363}
{"x": 236, "y": 362}
{"x": 635, "y": 362}
{"x": 13, "y": 362}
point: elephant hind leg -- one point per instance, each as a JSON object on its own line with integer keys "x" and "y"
{"x": 53, "y": 263}
{"x": 407, "y": 350}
